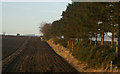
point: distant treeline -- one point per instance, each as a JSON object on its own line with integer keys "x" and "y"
{"x": 82, "y": 21}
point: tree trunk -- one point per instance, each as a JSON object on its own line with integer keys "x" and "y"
{"x": 68, "y": 44}
{"x": 117, "y": 46}
{"x": 96, "y": 39}
{"x": 118, "y": 32}
{"x": 112, "y": 42}
{"x": 102, "y": 39}
{"x": 90, "y": 40}
{"x": 77, "y": 40}
{"x": 118, "y": 41}
{"x": 72, "y": 45}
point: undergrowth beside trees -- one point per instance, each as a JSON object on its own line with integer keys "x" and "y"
{"x": 96, "y": 56}
{"x": 62, "y": 42}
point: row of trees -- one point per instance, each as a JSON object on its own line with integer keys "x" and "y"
{"x": 85, "y": 21}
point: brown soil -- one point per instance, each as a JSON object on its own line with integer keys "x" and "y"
{"x": 38, "y": 56}
{"x": 10, "y": 44}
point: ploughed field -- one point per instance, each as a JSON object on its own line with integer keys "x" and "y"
{"x": 34, "y": 55}
{"x": 10, "y": 44}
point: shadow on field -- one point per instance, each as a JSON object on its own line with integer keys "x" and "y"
{"x": 60, "y": 57}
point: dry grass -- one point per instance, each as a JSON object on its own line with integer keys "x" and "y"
{"x": 79, "y": 65}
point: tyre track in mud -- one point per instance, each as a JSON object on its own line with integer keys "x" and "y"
{"x": 38, "y": 56}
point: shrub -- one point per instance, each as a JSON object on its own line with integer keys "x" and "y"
{"x": 101, "y": 55}
{"x": 95, "y": 56}
{"x": 81, "y": 50}
{"x": 62, "y": 42}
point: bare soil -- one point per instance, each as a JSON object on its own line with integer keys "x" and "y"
{"x": 37, "y": 56}
{"x": 10, "y": 44}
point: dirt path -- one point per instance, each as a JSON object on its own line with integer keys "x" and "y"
{"x": 38, "y": 56}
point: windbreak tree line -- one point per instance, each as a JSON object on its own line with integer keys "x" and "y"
{"x": 84, "y": 21}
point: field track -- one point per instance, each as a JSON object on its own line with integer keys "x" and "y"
{"x": 38, "y": 56}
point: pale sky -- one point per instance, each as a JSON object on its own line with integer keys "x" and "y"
{"x": 25, "y": 17}
{"x": 60, "y": 0}
{"x": 0, "y": 17}
{"x": 36, "y": 0}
